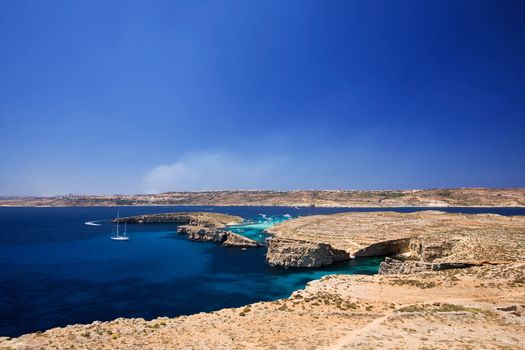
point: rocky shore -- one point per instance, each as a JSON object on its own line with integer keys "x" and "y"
{"x": 474, "y": 308}
{"x": 300, "y": 253}
{"x": 205, "y": 219}
{"x": 454, "y": 281}
{"x": 430, "y": 237}
{"x": 210, "y": 227}
{"x": 220, "y": 235}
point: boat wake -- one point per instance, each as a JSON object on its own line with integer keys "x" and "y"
{"x": 92, "y": 223}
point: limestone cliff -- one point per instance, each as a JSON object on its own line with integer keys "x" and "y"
{"x": 398, "y": 267}
{"x": 297, "y": 253}
{"x": 236, "y": 240}
{"x": 193, "y": 218}
{"x": 210, "y": 227}
{"x": 202, "y": 233}
{"x": 427, "y": 236}
{"x": 211, "y": 234}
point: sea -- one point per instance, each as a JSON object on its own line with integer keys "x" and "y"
{"x": 58, "y": 266}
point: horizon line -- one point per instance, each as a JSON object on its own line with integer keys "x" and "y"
{"x": 262, "y": 190}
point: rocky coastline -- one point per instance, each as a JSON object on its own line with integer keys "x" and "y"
{"x": 199, "y": 226}
{"x": 427, "y": 237}
{"x": 205, "y": 219}
{"x": 219, "y": 235}
{"x": 448, "y": 281}
{"x": 299, "y": 253}
{"x": 470, "y": 308}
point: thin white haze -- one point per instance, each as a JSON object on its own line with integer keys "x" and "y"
{"x": 210, "y": 170}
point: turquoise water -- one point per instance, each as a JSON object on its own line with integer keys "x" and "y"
{"x": 55, "y": 270}
{"x": 293, "y": 279}
{"x": 254, "y": 227}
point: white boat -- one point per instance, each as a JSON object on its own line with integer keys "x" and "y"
{"x": 118, "y": 236}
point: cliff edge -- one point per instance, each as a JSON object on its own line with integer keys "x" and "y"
{"x": 427, "y": 236}
{"x": 459, "y": 283}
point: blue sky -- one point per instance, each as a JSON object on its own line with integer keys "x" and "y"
{"x": 152, "y": 96}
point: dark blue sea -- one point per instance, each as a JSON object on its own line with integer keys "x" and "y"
{"x": 56, "y": 270}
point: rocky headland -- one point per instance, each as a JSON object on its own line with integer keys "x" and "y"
{"x": 198, "y": 226}
{"x": 205, "y": 219}
{"x": 428, "y": 237}
{"x": 453, "y": 281}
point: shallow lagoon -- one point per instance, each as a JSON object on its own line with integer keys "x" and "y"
{"x": 55, "y": 270}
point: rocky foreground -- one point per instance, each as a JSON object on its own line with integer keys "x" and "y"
{"x": 457, "y": 282}
{"x": 458, "y": 197}
{"x": 474, "y": 308}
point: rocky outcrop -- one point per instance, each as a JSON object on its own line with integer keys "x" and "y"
{"x": 212, "y": 234}
{"x": 192, "y": 218}
{"x": 397, "y": 267}
{"x": 386, "y": 248}
{"x": 432, "y": 238}
{"x": 236, "y": 240}
{"x": 440, "y": 249}
{"x": 208, "y": 227}
{"x": 296, "y": 253}
{"x": 197, "y": 226}
{"x": 201, "y": 233}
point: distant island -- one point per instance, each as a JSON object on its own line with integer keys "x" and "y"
{"x": 458, "y": 197}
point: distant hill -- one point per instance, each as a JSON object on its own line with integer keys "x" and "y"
{"x": 460, "y": 197}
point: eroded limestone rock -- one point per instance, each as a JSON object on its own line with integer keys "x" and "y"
{"x": 432, "y": 237}
{"x": 192, "y": 218}
{"x": 201, "y": 233}
{"x": 398, "y": 267}
{"x": 235, "y": 240}
{"x": 295, "y": 253}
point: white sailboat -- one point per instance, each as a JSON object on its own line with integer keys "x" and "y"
{"x": 118, "y": 236}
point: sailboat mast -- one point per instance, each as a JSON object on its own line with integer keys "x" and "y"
{"x": 118, "y": 219}
{"x": 118, "y": 236}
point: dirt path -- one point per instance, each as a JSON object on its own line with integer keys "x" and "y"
{"x": 342, "y": 342}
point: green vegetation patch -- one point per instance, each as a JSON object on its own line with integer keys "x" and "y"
{"x": 392, "y": 194}
{"x": 415, "y": 283}
{"x": 439, "y": 307}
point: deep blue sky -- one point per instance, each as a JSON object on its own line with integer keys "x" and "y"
{"x": 137, "y": 96}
